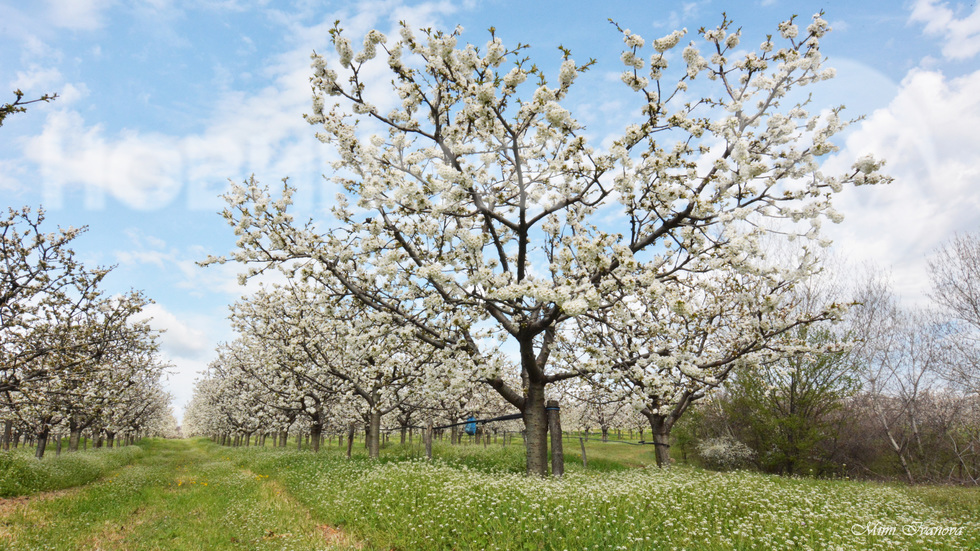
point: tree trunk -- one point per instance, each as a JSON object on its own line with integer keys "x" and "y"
{"x": 74, "y": 437}
{"x": 660, "y": 426}
{"x": 42, "y": 442}
{"x": 896, "y": 447}
{"x": 536, "y": 430}
{"x": 315, "y": 431}
{"x": 8, "y": 427}
{"x": 404, "y": 434}
{"x": 374, "y": 434}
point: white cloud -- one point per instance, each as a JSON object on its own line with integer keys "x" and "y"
{"x": 179, "y": 340}
{"x": 260, "y": 133}
{"x": 962, "y": 36}
{"x": 927, "y": 134}
{"x": 141, "y": 170}
{"x": 84, "y": 15}
{"x": 179, "y": 382}
{"x": 188, "y": 345}
{"x": 37, "y": 78}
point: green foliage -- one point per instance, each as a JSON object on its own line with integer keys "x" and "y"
{"x": 21, "y": 473}
{"x": 687, "y": 432}
{"x": 784, "y": 410}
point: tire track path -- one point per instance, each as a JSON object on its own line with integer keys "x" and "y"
{"x": 177, "y": 496}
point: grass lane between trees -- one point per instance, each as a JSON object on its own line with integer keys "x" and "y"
{"x": 176, "y": 495}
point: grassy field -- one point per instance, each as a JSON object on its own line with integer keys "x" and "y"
{"x": 176, "y": 495}
{"x": 197, "y": 495}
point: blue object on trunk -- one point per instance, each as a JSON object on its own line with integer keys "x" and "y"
{"x": 470, "y": 426}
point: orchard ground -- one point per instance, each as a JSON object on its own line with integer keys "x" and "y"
{"x": 194, "y": 494}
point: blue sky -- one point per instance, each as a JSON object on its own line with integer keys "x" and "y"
{"x": 163, "y": 101}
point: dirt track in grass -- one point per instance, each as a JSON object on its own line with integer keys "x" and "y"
{"x": 177, "y": 496}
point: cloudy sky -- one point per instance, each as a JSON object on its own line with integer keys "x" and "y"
{"x": 161, "y": 102}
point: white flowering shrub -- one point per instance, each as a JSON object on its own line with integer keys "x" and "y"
{"x": 724, "y": 453}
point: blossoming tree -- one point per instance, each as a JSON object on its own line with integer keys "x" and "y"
{"x": 482, "y": 213}
{"x": 337, "y": 346}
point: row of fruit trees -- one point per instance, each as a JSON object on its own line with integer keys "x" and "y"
{"x": 484, "y": 255}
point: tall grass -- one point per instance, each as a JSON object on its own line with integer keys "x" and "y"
{"x": 22, "y": 474}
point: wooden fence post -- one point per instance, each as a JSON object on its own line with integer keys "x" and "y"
{"x": 554, "y": 427}
{"x": 428, "y": 441}
{"x": 350, "y": 439}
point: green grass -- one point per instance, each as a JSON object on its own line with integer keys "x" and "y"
{"x": 175, "y": 496}
{"x": 198, "y": 495}
{"x": 462, "y": 502}
{"x": 21, "y": 473}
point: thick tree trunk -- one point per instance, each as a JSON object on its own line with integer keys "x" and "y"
{"x": 315, "y": 431}
{"x": 660, "y": 426}
{"x": 404, "y": 434}
{"x": 374, "y": 434}
{"x": 42, "y": 442}
{"x": 74, "y": 437}
{"x": 282, "y": 438}
{"x": 536, "y": 430}
{"x": 8, "y": 427}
